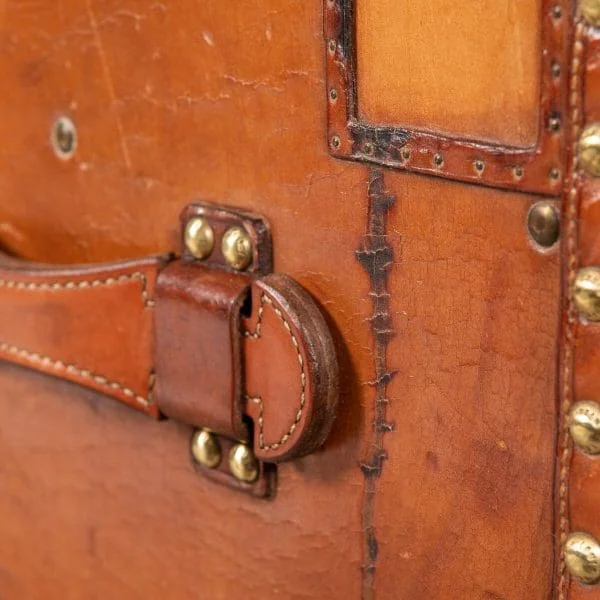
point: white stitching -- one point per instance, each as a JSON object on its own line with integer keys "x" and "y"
{"x": 60, "y": 365}
{"x": 255, "y": 335}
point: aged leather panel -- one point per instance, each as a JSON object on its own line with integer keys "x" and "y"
{"x": 581, "y": 471}
{"x": 467, "y": 69}
{"x": 228, "y": 106}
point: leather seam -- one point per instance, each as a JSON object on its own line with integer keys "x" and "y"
{"x": 255, "y": 335}
{"x": 60, "y": 365}
{"x": 80, "y": 285}
{"x": 575, "y": 101}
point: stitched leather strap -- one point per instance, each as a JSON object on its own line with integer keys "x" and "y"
{"x": 205, "y": 346}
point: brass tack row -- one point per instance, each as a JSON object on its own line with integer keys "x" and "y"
{"x": 206, "y": 451}
{"x": 236, "y": 245}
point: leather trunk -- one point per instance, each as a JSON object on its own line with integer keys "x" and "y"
{"x": 395, "y": 151}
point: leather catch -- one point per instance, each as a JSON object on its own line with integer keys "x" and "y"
{"x": 250, "y": 358}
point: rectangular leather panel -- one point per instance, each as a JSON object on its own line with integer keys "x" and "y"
{"x": 470, "y": 69}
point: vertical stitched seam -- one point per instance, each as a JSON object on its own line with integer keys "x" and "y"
{"x": 255, "y": 335}
{"x": 575, "y": 103}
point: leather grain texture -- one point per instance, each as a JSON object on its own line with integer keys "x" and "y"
{"x": 437, "y": 480}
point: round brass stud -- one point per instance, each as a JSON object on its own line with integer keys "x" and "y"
{"x": 237, "y": 248}
{"x": 543, "y": 224}
{"x": 590, "y": 9}
{"x": 64, "y": 137}
{"x": 582, "y": 557}
{"x": 206, "y": 449}
{"x": 588, "y": 149}
{"x": 584, "y": 426}
{"x": 199, "y": 237}
{"x": 586, "y": 293}
{"x": 242, "y": 463}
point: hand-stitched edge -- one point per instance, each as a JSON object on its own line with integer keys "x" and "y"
{"x": 80, "y": 285}
{"x": 255, "y": 335}
{"x": 575, "y": 102}
{"x": 59, "y": 365}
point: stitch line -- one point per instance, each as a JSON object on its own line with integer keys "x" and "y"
{"x": 81, "y": 285}
{"x": 255, "y": 335}
{"x": 575, "y": 102}
{"x": 59, "y": 365}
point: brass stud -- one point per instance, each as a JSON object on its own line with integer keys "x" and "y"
{"x": 405, "y": 153}
{"x": 518, "y": 172}
{"x": 543, "y": 224}
{"x": 335, "y": 142}
{"x": 556, "y": 69}
{"x": 368, "y": 148}
{"x": 206, "y": 449}
{"x": 557, "y": 12}
{"x": 588, "y": 149}
{"x": 590, "y": 9}
{"x": 237, "y": 248}
{"x": 199, "y": 237}
{"x": 584, "y": 426}
{"x": 242, "y": 463}
{"x": 64, "y": 137}
{"x": 586, "y": 293}
{"x": 582, "y": 557}
{"x": 333, "y": 94}
{"x": 438, "y": 160}
{"x": 554, "y": 124}
{"x": 479, "y": 166}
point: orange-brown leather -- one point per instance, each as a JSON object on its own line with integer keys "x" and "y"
{"x": 184, "y": 100}
{"x": 91, "y": 325}
{"x": 579, "y": 474}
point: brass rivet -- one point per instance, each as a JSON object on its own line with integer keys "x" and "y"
{"x": 64, "y": 137}
{"x": 333, "y": 95}
{"x": 584, "y": 426}
{"x": 586, "y": 293}
{"x": 242, "y": 463}
{"x": 199, "y": 237}
{"x": 438, "y": 159}
{"x": 335, "y": 142}
{"x": 557, "y": 12}
{"x": 479, "y": 166}
{"x": 237, "y": 248}
{"x": 518, "y": 172}
{"x": 556, "y": 69}
{"x": 588, "y": 149}
{"x": 332, "y": 46}
{"x": 206, "y": 449}
{"x": 405, "y": 153}
{"x": 554, "y": 124}
{"x": 543, "y": 224}
{"x": 582, "y": 557}
{"x": 590, "y": 9}
{"x": 555, "y": 174}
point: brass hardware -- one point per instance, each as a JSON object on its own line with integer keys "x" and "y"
{"x": 64, "y": 137}
{"x": 438, "y": 160}
{"x": 242, "y": 463}
{"x": 582, "y": 557}
{"x": 543, "y": 224}
{"x": 586, "y": 293}
{"x": 205, "y": 449}
{"x": 237, "y": 248}
{"x": 199, "y": 237}
{"x": 588, "y": 149}
{"x": 590, "y": 9}
{"x": 584, "y": 425}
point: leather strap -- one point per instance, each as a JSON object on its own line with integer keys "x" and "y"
{"x": 205, "y": 346}
{"x": 92, "y": 325}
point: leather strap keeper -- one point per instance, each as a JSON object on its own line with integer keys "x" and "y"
{"x": 198, "y": 355}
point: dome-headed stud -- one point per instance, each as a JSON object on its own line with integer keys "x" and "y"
{"x": 588, "y": 149}
{"x": 582, "y": 557}
{"x": 199, "y": 237}
{"x": 242, "y": 463}
{"x": 543, "y": 224}
{"x": 584, "y": 426}
{"x": 590, "y": 9}
{"x": 237, "y": 248}
{"x": 586, "y": 293}
{"x": 206, "y": 449}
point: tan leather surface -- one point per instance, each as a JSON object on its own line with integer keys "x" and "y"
{"x": 92, "y": 325}
{"x": 582, "y": 475}
{"x": 443, "y": 66}
{"x": 184, "y": 100}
